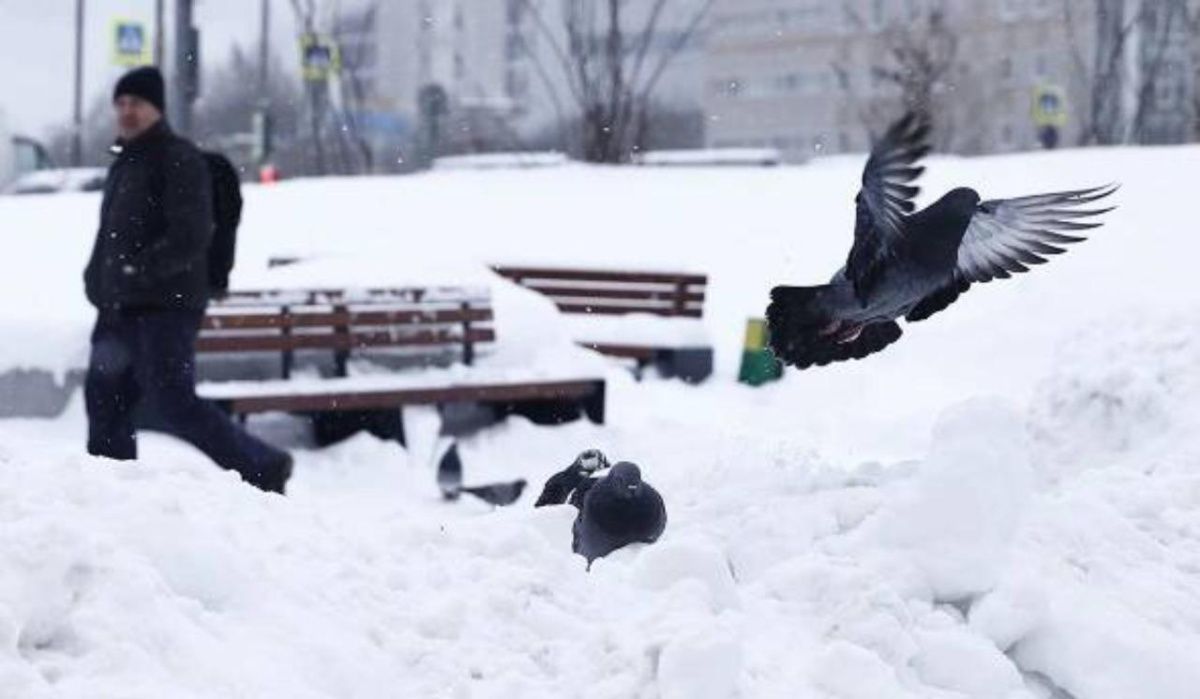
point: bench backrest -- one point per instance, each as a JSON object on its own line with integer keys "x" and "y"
{"x": 286, "y": 321}
{"x": 614, "y": 293}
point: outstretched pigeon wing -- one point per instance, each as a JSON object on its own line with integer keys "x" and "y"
{"x": 1008, "y": 236}
{"x": 885, "y": 199}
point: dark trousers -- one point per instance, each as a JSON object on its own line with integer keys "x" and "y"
{"x": 143, "y": 362}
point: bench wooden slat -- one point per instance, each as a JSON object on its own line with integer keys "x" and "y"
{"x": 639, "y": 352}
{"x": 286, "y": 321}
{"x": 367, "y": 400}
{"x": 667, "y": 295}
{"x": 262, "y": 319}
{"x": 338, "y": 341}
{"x": 368, "y": 295}
{"x": 617, "y": 310}
{"x": 527, "y": 274}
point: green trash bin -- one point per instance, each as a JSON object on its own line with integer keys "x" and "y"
{"x": 759, "y": 364}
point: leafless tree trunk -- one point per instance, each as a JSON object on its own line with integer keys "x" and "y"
{"x": 920, "y": 58}
{"x": 1192, "y": 17}
{"x": 353, "y": 92}
{"x": 921, "y": 55}
{"x": 609, "y": 70}
{"x": 1107, "y": 77}
{"x": 305, "y": 11}
{"x": 1172, "y": 14}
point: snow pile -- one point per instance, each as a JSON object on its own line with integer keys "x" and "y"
{"x": 1120, "y": 389}
{"x": 951, "y": 576}
{"x": 1004, "y": 505}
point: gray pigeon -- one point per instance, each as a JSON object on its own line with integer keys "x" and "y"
{"x": 617, "y": 510}
{"x": 912, "y": 265}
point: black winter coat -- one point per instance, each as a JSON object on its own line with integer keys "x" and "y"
{"x": 156, "y": 224}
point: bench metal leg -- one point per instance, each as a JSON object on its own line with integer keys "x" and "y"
{"x": 692, "y": 365}
{"x": 594, "y": 405}
{"x": 333, "y": 427}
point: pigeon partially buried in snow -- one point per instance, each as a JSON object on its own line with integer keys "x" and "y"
{"x": 913, "y": 265}
{"x": 617, "y": 510}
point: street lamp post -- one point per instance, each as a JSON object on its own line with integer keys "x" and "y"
{"x": 187, "y": 66}
{"x": 262, "y": 125}
{"x": 159, "y": 38}
{"x": 77, "y": 124}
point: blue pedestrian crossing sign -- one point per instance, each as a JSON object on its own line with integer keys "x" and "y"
{"x": 131, "y": 43}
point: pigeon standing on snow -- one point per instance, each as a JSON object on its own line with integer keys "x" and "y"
{"x": 617, "y": 510}
{"x": 450, "y": 481}
{"x": 912, "y": 265}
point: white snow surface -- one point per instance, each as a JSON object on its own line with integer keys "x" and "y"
{"x": 1005, "y": 504}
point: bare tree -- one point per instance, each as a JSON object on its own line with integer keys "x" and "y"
{"x": 1108, "y": 80}
{"x": 1193, "y": 29}
{"x": 223, "y": 114}
{"x": 354, "y": 62}
{"x": 919, "y": 61}
{"x": 228, "y": 106}
{"x": 99, "y": 133}
{"x": 921, "y": 54}
{"x": 610, "y": 70}
{"x": 305, "y": 11}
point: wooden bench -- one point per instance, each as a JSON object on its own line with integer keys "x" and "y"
{"x": 607, "y": 292}
{"x": 398, "y": 328}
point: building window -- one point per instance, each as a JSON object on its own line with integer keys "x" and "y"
{"x": 878, "y": 14}
{"x": 728, "y": 87}
{"x": 1011, "y": 9}
{"x": 1041, "y": 64}
{"x": 1006, "y": 135}
{"x": 515, "y": 12}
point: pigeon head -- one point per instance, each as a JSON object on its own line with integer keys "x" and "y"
{"x": 592, "y": 460}
{"x": 625, "y": 479}
{"x": 962, "y": 200}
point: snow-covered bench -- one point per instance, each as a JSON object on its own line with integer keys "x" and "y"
{"x": 671, "y": 296}
{"x": 298, "y": 351}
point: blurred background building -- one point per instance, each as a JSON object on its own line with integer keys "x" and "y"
{"x": 399, "y": 83}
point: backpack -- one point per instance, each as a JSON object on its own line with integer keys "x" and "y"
{"x": 227, "y": 214}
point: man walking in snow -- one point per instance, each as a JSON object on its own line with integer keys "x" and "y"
{"x": 148, "y": 279}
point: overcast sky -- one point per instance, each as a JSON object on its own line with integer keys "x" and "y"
{"x": 37, "y": 49}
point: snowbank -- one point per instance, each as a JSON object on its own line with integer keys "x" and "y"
{"x": 1003, "y": 505}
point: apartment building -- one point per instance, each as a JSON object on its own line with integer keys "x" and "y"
{"x": 804, "y": 76}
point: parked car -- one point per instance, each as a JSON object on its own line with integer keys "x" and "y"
{"x": 79, "y": 179}
{"x": 19, "y": 155}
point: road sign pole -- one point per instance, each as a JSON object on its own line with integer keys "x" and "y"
{"x": 77, "y": 123}
{"x": 187, "y": 69}
{"x": 159, "y": 38}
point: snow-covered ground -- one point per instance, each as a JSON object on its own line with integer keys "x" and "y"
{"x": 1004, "y": 504}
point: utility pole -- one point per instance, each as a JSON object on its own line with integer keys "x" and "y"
{"x": 159, "y": 36}
{"x": 187, "y": 67}
{"x": 262, "y": 119}
{"x": 77, "y": 135}
{"x": 264, "y": 47}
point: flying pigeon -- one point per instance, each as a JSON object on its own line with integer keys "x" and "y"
{"x": 617, "y": 510}
{"x": 913, "y": 265}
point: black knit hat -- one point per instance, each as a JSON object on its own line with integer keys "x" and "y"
{"x": 145, "y": 82}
